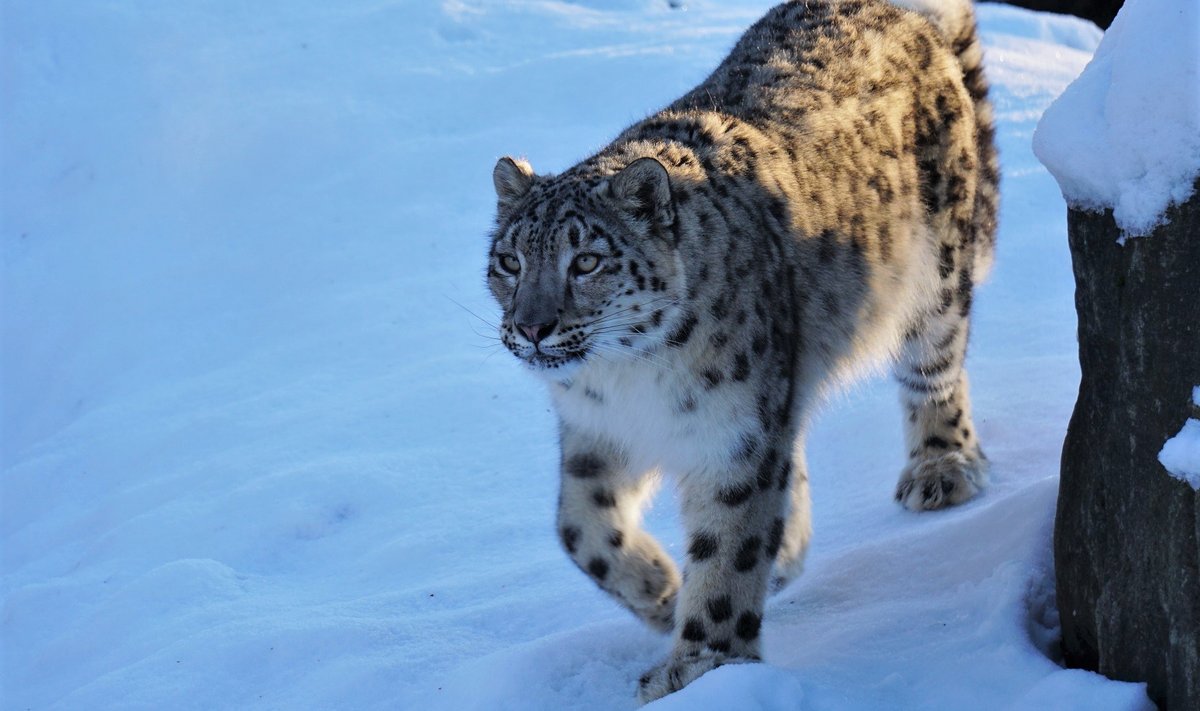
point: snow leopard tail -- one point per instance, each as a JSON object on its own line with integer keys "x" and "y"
{"x": 955, "y": 19}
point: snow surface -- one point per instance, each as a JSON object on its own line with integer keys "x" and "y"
{"x": 1180, "y": 455}
{"x": 258, "y": 453}
{"x": 1126, "y": 134}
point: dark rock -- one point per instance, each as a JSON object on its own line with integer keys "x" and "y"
{"x": 1127, "y": 534}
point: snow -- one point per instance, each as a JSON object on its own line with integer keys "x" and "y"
{"x": 1126, "y": 134}
{"x": 256, "y": 455}
{"x": 1180, "y": 455}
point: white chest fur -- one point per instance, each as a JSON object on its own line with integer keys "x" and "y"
{"x": 660, "y": 417}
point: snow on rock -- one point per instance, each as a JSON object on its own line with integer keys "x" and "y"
{"x": 1180, "y": 455}
{"x": 1126, "y": 134}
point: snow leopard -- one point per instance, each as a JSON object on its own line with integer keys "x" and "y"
{"x": 822, "y": 205}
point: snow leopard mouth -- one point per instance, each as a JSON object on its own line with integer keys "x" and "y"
{"x": 546, "y": 361}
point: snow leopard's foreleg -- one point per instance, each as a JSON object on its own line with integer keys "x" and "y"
{"x": 736, "y": 525}
{"x": 599, "y": 524}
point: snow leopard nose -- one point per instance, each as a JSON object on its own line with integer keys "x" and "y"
{"x": 537, "y": 331}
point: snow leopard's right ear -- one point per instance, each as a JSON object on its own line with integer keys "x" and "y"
{"x": 642, "y": 190}
{"x": 513, "y": 177}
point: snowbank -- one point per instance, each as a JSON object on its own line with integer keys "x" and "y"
{"x": 1180, "y": 455}
{"x": 1126, "y": 134}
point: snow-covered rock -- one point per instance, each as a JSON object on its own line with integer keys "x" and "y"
{"x": 1125, "y": 135}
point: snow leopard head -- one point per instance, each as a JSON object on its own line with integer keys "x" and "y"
{"x": 584, "y": 265}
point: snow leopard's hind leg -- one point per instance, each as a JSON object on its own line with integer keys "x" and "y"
{"x": 789, "y": 561}
{"x": 960, "y": 191}
{"x": 599, "y": 525}
{"x": 945, "y": 463}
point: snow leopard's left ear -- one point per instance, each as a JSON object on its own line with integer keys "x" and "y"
{"x": 513, "y": 177}
{"x": 643, "y": 191}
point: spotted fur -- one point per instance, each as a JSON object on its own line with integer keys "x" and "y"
{"x": 822, "y": 204}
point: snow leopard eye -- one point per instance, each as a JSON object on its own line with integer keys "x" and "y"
{"x": 585, "y": 263}
{"x": 511, "y": 264}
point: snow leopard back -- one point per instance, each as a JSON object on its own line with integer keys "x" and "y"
{"x": 806, "y": 58}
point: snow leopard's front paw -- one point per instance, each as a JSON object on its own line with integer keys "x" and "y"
{"x": 946, "y": 480}
{"x": 677, "y": 672}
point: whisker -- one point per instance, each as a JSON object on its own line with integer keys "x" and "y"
{"x": 464, "y": 308}
{"x": 627, "y": 327}
{"x": 651, "y": 305}
{"x": 639, "y": 356}
{"x": 494, "y": 339}
{"x": 623, "y": 330}
{"x": 489, "y": 336}
{"x": 604, "y": 350}
{"x": 643, "y": 356}
{"x": 618, "y": 312}
{"x": 615, "y": 324}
